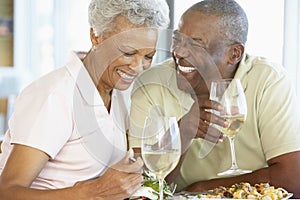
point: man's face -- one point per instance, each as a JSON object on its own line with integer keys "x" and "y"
{"x": 197, "y": 51}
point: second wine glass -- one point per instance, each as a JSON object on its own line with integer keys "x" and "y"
{"x": 161, "y": 147}
{"x": 230, "y": 94}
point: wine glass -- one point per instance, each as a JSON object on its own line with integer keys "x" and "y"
{"x": 230, "y": 94}
{"x": 161, "y": 147}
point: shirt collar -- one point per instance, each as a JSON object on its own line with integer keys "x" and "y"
{"x": 244, "y": 66}
{"x": 243, "y": 69}
{"x": 83, "y": 81}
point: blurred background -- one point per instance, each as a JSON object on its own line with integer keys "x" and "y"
{"x": 36, "y": 36}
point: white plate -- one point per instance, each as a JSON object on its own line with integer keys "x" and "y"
{"x": 193, "y": 196}
{"x": 288, "y": 196}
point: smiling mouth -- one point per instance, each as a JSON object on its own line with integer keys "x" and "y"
{"x": 186, "y": 69}
{"x": 124, "y": 75}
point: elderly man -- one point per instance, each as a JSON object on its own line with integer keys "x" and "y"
{"x": 209, "y": 44}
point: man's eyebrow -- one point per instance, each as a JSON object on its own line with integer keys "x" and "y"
{"x": 198, "y": 39}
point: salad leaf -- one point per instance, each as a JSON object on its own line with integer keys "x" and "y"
{"x": 150, "y": 180}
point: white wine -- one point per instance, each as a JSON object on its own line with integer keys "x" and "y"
{"x": 235, "y": 124}
{"x": 161, "y": 162}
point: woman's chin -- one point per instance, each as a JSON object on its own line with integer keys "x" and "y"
{"x": 122, "y": 86}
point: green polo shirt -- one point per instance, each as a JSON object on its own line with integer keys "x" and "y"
{"x": 271, "y": 129}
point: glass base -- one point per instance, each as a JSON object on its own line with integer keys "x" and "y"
{"x": 234, "y": 172}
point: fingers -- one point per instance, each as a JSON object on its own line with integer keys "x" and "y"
{"x": 129, "y": 164}
{"x": 136, "y": 163}
{"x": 212, "y": 105}
{"x": 208, "y": 118}
{"x": 209, "y": 112}
{"x": 131, "y": 183}
{"x": 137, "y": 166}
{"x": 129, "y": 156}
{"x": 210, "y": 121}
{"x": 130, "y": 153}
{"x": 205, "y": 127}
{"x": 137, "y": 182}
{"x": 125, "y": 187}
{"x": 205, "y": 131}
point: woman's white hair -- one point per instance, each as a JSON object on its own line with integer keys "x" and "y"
{"x": 152, "y": 13}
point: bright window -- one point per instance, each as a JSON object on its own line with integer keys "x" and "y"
{"x": 265, "y": 36}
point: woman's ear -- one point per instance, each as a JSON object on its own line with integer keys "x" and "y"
{"x": 94, "y": 39}
{"x": 237, "y": 51}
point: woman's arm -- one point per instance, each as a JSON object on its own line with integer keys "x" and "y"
{"x": 25, "y": 163}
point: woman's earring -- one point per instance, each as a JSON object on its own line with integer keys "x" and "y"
{"x": 93, "y": 48}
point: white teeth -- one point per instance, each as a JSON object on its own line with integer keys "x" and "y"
{"x": 186, "y": 69}
{"x": 125, "y": 76}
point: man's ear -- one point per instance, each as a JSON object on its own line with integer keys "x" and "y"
{"x": 236, "y": 53}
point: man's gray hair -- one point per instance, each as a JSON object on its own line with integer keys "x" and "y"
{"x": 233, "y": 19}
{"x": 152, "y": 13}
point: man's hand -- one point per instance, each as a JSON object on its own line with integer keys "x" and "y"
{"x": 196, "y": 123}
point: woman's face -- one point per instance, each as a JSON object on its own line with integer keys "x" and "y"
{"x": 122, "y": 54}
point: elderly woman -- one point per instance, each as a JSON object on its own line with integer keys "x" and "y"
{"x": 66, "y": 137}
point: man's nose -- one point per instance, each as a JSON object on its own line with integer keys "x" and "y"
{"x": 181, "y": 50}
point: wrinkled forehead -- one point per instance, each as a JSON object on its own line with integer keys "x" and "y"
{"x": 138, "y": 38}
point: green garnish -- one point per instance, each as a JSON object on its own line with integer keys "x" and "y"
{"x": 150, "y": 180}
{"x": 238, "y": 186}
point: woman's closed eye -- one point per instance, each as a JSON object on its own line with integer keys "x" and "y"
{"x": 149, "y": 56}
{"x": 128, "y": 53}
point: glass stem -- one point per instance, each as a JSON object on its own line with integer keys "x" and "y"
{"x": 161, "y": 188}
{"x": 233, "y": 158}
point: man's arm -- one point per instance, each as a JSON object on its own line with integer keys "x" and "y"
{"x": 283, "y": 171}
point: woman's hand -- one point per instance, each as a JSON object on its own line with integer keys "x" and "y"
{"x": 119, "y": 181}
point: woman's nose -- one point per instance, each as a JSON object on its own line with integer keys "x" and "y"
{"x": 137, "y": 65}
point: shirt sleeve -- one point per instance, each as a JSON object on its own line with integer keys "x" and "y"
{"x": 153, "y": 100}
{"x": 141, "y": 103}
{"x": 155, "y": 93}
{"x": 278, "y": 118}
{"x": 42, "y": 120}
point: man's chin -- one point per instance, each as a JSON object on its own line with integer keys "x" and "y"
{"x": 185, "y": 86}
